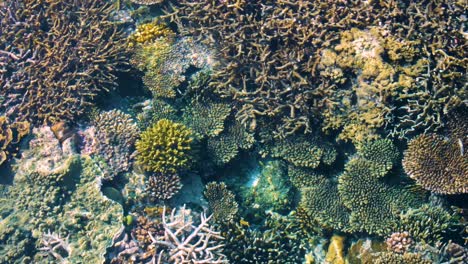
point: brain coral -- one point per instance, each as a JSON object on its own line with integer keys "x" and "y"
{"x": 164, "y": 147}
{"x": 437, "y": 164}
{"x": 67, "y": 54}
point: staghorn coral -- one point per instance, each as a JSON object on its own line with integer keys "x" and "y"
{"x": 437, "y": 164}
{"x": 162, "y": 186}
{"x": 114, "y": 136}
{"x": 221, "y": 201}
{"x": 206, "y": 119}
{"x": 186, "y": 242}
{"x": 164, "y": 147}
{"x": 55, "y": 246}
{"x": 67, "y": 55}
{"x": 323, "y": 204}
{"x": 147, "y": 2}
{"x": 10, "y": 135}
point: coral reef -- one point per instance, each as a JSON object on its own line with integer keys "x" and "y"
{"x": 323, "y": 203}
{"x": 382, "y": 152}
{"x": 303, "y": 177}
{"x": 437, "y": 164}
{"x": 186, "y": 242}
{"x": 406, "y": 258}
{"x": 147, "y": 2}
{"x": 399, "y": 242}
{"x": 279, "y": 239}
{"x": 206, "y": 119}
{"x": 303, "y": 151}
{"x": 10, "y": 135}
{"x": 56, "y": 192}
{"x": 221, "y": 201}
{"x": 67, "y": 54}
{"x": 164, "y": 147}
{"x": 162, "y": 186}
{"x": 224, "y": 147}
{"x": 427, "y": 223}
{"x": 335, "y": 253}
{"x": 113, "y": 138}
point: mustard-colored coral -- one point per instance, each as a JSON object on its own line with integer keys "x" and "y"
{"x": 149, "y": 32}
{"x": 164, "y": 147}
{"x": 10, "y": 134}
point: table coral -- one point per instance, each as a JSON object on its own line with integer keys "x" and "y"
{"x": 206, "y": 119}
{"x": 67, "y": 55}
{"x": 437, "y": 164}
{"x": 164, "y": 147}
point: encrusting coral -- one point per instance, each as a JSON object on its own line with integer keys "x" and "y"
{"x": 222, "y": 202}
{"x": 164, "y": 147}
{"x": 67, "y": 55}
{"x": 437, "y": 164}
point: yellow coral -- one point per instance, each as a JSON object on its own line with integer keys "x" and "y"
{"x": 164, "y": 147}
{"x": 150, "y": 31}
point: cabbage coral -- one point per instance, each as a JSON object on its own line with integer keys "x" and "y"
{"x": 164, "y": 147}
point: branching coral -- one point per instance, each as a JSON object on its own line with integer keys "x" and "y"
{"x": 381, "y": 152}
{"x": 67, "y": 54}
{"x": 324, "y": 204}
{"x": 437, "y": 164}
{"x": 303, "y": 177}
{"x": 162, "y": 186}
{"x": 221, "y": 201}
{"x": 406, "y": 258}
{"x": 303, "y": 151}
{"x": 206, "y": 118}
{"x": 224, "y": 147}
{"x": 115, "y": 135}
{"x": 186, "y": 242}
{"x": 164, "y": 147}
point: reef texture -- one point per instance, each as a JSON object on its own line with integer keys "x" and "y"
{"x": 112, "y": 139}
{"x": 221, "y": 201}
{"x": 10, "y": 135}
{"x": 366, "y": 67}
{"x": 55, "y": 211}
{"x": 164, "y": 147}
{"x": 437, "y": 164}
{"x": 162, "y": 186}
{"x": 65, "y": 56}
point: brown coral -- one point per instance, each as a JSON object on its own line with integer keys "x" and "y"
{"x": 162, "y": 186}
{"x": 10, "y": 135}
{"x": 437, "y": 164}
{"x": 56, "y": 57}
{"x": 399, "y": 242}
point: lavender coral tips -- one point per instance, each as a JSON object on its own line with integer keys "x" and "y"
{"x": 437, "y": 164}
{"x": 164, "y": 147}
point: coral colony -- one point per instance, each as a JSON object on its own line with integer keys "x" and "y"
{"x": 233, "y": 131}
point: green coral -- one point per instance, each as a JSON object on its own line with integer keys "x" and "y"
{"x": 427, "y": 223}
{"x": 206, "y": 118}
{"x": 323, "y": 203}
{"x": 224, "y": 147}
{"x": 221, "y": 201}
{"x": 164, "y": 147}
{"x": 61, "y": 197}
{"x": 382, "y": 152}
{"x": 303, "y": 151}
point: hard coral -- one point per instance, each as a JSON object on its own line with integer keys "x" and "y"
{"x": 66, "y": 55}
{"x": 115, "y": 135}
{"x": 164, "y": 147}
{"x": 162, "y": 186}
{"x": 10, "y": 135}
{"x": 437, "y": 164}
{"x": 221, "y": 201}
{"x": 206, "y": 118}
